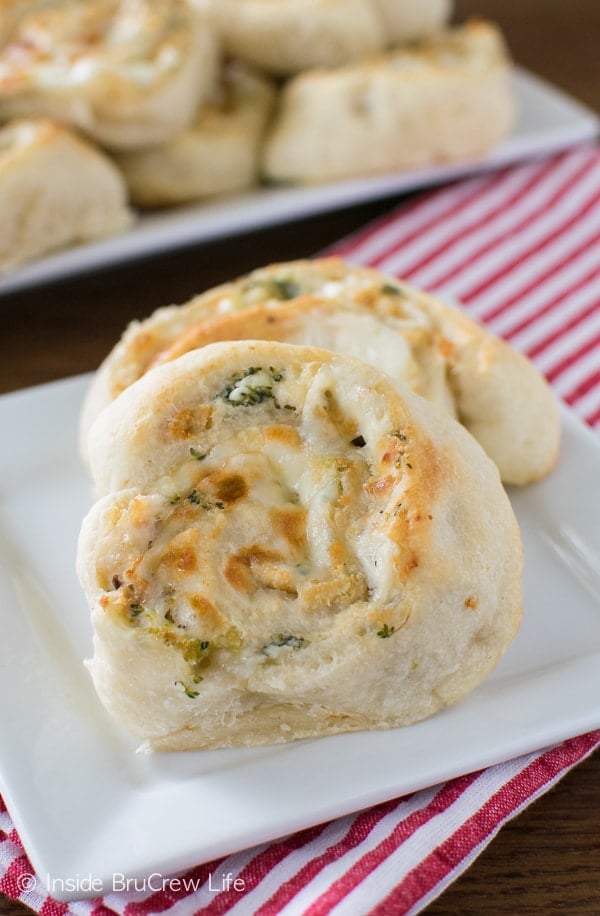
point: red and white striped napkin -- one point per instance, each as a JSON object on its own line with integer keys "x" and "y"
{"x": 520, "y": 249}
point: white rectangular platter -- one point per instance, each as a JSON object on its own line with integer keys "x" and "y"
{"x": 548, "y": 121}
{"x": 85, "y": 803}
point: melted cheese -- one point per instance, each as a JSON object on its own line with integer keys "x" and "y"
{"x": 71, "y": 43}
{"x": 130, "y": 73}
{"x": 271, "y": 525}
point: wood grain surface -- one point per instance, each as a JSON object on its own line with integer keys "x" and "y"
{"x": 547, "y": 860}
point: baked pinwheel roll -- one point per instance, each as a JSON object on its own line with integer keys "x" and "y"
{"x": 126, "y": 72}
{"x": 218, "y": 153}
{"x": 416, "y": 339}
{"x": 287, "y": 547}
{"x": 447, "y": 99}
{"x": 293, "y": 35}
{"x": 56, "y": 190}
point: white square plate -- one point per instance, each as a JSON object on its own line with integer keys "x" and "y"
{"x": 548, "y": 121}
{"x": 85, "y": 803}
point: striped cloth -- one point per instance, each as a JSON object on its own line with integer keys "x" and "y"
{"x": 520, "y": 249}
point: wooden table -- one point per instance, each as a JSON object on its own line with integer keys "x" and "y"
{"x": 547, "y": 860}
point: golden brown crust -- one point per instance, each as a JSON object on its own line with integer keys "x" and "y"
{"x": 242, "y": 582}
{"x": 127, "y": 74}
{"x": 418, "y": 340}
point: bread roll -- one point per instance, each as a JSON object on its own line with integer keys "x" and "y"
{"x": 447, "y": 99}
{"x": 127, "y": 72}
{"x": 417, "y": 339}
{"x": 56, "y": 190}
{"x": 292, "y": 35}
{"x": 217, "y": 154}
{"x": 287, "y": 547}
{"x": 408, "y": 20}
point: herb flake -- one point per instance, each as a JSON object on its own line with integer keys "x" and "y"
{"x": 388, "y": 289}
{"x": 198, "y": 499}
{"x": 248, "y": 394}
{"x": 283, "y": 640}
{"x": 192, "y": 694}
{"x": 284, "y": 288}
